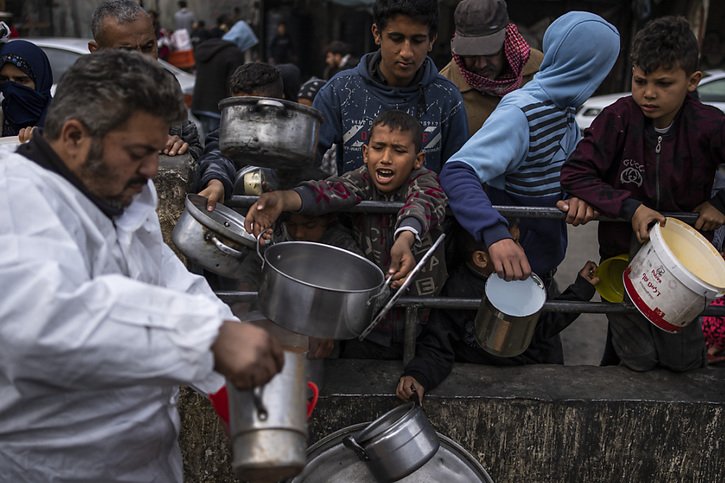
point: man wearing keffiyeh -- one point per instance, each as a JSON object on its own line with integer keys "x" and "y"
{"x": 490, "y": 58}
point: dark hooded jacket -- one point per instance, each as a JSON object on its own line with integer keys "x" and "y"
{"x": 353, "y": 98}
{"x": 216, "y": 60}
{"x": 622, "y": 162}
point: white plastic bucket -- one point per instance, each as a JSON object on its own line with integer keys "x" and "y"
{"x": 674, "y": 276}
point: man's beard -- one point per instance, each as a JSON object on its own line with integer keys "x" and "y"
{"x": 95, "y": 175}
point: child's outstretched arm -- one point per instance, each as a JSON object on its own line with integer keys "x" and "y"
{"x": 582, "y": 290}
{"x": 265, "y": 211}
{"x": 402, "y": 260}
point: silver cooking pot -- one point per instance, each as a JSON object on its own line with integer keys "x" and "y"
{"x": 216, "y": 240}
{"x": 268, "y": 424}
{"x": 319, "y": 290}
{"x": 507, "y": 316}
{"x": 397, "y": 443}
{"x": 269, "y": 133}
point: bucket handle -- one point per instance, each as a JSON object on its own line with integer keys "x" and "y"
{"x": 311, "y": 405}
{"x": 350, "y": 442}
{"x": 225, "y": 249}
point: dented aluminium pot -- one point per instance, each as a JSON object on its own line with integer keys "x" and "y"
{"x": 270, "y": 133}
{"x": 216, "y": 240}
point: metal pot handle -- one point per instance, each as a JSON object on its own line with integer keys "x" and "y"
{"x": 383, "y": 312}
{"x": 257, "y": 395}
{"x": 270, "y": 103}
{"x": 225, "y": 249}
{"x": 259, "y": 244}
{"x": 350, "y": 442}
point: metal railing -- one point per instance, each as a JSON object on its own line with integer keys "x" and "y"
{"x": 412, "y": 304}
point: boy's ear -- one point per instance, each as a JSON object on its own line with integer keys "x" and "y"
{"x": 480, "y": 259}
{"x": 376, "y": 34}
{"x": 419, "y": 160}
{"x": 365, "y": 153}
{"x": 694, "y": 80}
{"x": 432, "y": 41}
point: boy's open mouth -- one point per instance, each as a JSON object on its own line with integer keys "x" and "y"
{"x": 384, "y": 174}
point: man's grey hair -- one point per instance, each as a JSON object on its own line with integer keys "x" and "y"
{"x": 122, "y": 11}
{"x": 105, "y": 89}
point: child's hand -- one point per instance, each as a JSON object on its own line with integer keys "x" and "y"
{"x": 402, "y": 260}
{"x": 642, "y": 219}
{"x": 214, "y": 192}
{"x": 320, "y": 348}
{"x": 265, "y": 211}
{"x": 710, "y": 217}
{"x": 509, "y": 260}
{"x": 175, "y": 145}
{"x": 578, "y": 212}
{"x": 407, "y": 387}
{"x": 589, "y": 272}
{"x": 25, "y": 134}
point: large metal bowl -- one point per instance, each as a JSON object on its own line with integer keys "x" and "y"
{"x": 318, "y": 290}
{"x": 270, "y": 133}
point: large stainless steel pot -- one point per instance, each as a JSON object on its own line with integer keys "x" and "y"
{"x": 318, "y": 290}
{"x": 216, "y": 240}
{"x": 508, "y": 314}
{"x": 268, "y": 132}
{"x": 397, "y": 443}
{"x": 329, "y": 461}
{"x": 268, "y": 425}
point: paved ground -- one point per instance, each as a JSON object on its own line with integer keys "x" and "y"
{"x": 584, "y": 339}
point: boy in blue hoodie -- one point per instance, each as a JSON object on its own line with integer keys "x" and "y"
{"x": 519, "y": 150}
{"x": 399, "y": 76}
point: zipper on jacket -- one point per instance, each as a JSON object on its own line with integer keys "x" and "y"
{"x": 658, "y": 149}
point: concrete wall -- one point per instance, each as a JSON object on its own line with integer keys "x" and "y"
{"x": 534, "y": 423}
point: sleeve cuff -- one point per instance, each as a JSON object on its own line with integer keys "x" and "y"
{"x": 409, "y": 224}
{"x": 496, "y": 233}
{"x": 629, "y": 206}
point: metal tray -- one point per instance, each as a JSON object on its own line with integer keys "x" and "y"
{"x": 328, "y": 461}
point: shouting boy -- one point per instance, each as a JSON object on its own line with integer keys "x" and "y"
{"x": 393, "y": 171}
{"x": 656, "y": 150}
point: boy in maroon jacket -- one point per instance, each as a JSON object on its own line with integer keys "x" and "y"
{"x": 656, "y": 150}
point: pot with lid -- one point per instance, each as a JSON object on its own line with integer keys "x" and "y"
{"x": 270, "y": 133}
{"x": 397, "y": 443}
{"x": 216, "y": 240}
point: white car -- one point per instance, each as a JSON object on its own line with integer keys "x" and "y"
{"x": 711, "y": 91}
{"x": 62, "y": 52}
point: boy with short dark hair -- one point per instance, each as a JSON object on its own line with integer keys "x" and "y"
{"x": 400, "y": 76}
{"x": 216, "y": 171}
{"x": 656, "y": 150}
{"x": 393, "y": 171}
{"x": 449, "y": 335}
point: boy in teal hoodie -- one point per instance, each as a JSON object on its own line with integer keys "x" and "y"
{"x": 520, "y": 149}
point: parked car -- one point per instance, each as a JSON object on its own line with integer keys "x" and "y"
{"x": 711, "y": 91}
{"x": 62, "y": 52}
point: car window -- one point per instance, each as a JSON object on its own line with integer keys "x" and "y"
{"x": 712, "y": 91}
{"x": 60, "y": 61}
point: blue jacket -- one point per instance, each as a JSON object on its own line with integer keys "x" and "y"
{"x": 353, "y": 98}
{"x": 520, "y": 149}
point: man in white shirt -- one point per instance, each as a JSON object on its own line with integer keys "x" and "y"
{"x": 100, "y": 320}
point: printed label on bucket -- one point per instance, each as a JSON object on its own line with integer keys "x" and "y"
{"x": 658, "y": 294}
